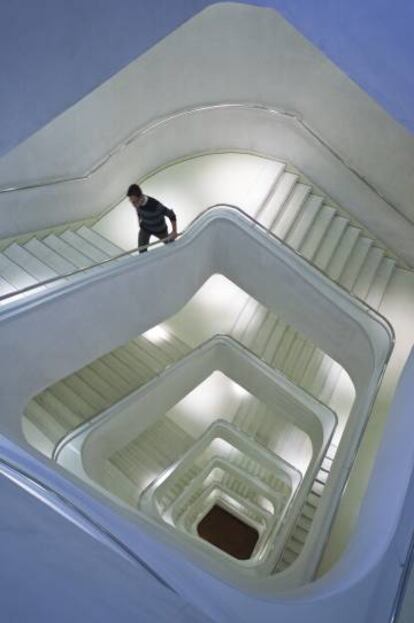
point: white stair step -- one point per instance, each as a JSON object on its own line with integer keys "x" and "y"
{"x": 322, "y": 477}
{"x": 321, "y": 375}
{"x": 295, "y": 352}
{"x": 304, "y": 523}
{"x": 49, "y": 257}
{"x": 295, "y": 546}
{"x": 157, "y": 448}
{"x": 6, "y": 287}
{"x": 140, "y": 369}
{"x": 356, "y": 260}
{"x": 244, "y": 316}
{"x": 85, "y": 391}
{"x": 318, "y": 488}
{"x": 242, "y": 411}
{"x": 68, "y": 251}
{"x": 265, "y": 323}
{"x": 31, "y": 264}
{"x": 317, "y": 232}
{"x": 343, "y": 252}
{"x": 283, "y": 349}
{"x": 178, "y": 344}
{"x": 58, "y": 410}
{"x": 100, "y": 384}
{"x": 330, "y": 242}
{"x": 132, "y": 462}
{"x": 272, "y": 345}
{"x": 262, "y": 188}
{"x": 289, "y": 556}
{"x": 281, "y": 565}
{"x": 47, "y": 423}
{"x": 313, "y": 500}
{"x": 326, "y": 464}
{"x": 99, "y": 241}
{"x": 85, "y": 247}
{"x": 304, "y": 221}
{"x": 144, "y": 359}
{"x": 286, "y": 217}
{"x": 72, "y": 401}
{"x": 302, "y": 362}
{"x": 147, "y": 354}
{"x": 173, "y": 349}
{"x": 309, "y": 511}
{"x": 110, "y": 376}
{"x": 368, "y": 271}
{"x": 330, "y": 383}
{"x": 14, "y": 274}
{"x": 312, "y": 370}
{"x": 299, "y": 534}
{"x": 276, "y": 202}
{"x": 253, "y": 419}
{"x": 119, "y": 367}
{"x": 380, "y": 282}
{"x": 249, "y": 322}
{"x": 156, "y": 351}
{"x": 331, "y": 452}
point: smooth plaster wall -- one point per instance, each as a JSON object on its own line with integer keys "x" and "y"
{"x": 54, "y": 52}
{"x": 229, "y": 52}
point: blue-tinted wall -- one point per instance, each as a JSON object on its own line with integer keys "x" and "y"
{"x": 53, "y": 52}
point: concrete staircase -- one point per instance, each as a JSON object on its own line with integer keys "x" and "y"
{"x": 293, "y": 211}
{"x": 52, "y": 255}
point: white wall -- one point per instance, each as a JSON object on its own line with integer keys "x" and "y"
{"x": 227, "y": 53}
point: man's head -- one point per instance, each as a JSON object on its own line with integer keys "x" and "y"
{"x": 135, "y": 195}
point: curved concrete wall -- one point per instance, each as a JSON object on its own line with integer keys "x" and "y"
{"x": 349, "y": 587}
{"x": 54, "y": 53}
{"x": 219, "y": 61}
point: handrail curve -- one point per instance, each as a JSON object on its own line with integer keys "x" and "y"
{"x": 289, "y": 115}
{"x": 84, "y": 427}
{"x": 359, "y": 303}
{"x": 362, "y": 304}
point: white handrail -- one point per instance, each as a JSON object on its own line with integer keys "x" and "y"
{"x": 165, "y": 119}
{"x": 363, "y": 304}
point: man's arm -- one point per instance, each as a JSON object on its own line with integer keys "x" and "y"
{"x": 170, "y": 214}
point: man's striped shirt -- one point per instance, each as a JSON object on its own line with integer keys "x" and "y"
{"x": 151, "y": 216}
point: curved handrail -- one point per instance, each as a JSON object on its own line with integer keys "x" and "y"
{"x": 79, "y": 271}
{"x": 165, "y": 119}
{"x": 84, "y": 427}
{"x": 362, "y": 304}
{"x": 54, "y": 498}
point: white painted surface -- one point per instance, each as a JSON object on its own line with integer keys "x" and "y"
{"x": 241, "y": 248}
{"x": 275, "y": 51}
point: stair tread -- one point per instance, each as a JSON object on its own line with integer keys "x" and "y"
{"x": 50, "y": 257}
{"x": 317, "y": 232}
{"x": 304, "y": 221}
{"x": 14, "y": 274}
{"x": 280, "y": 195}
{"x": 80, "y": 244}
{"x": 380, "y": 282}
{"x": 368, "y": 271}
{"x": 343, "y": 252}
{"x": 286, "y": 216}
{"x": 99, "y": 241}
{"x": 68, "y": 251}
{"x": 330, "y": 242}
{"x": 28, "y": 262}
{"x": 353, "y": 265}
